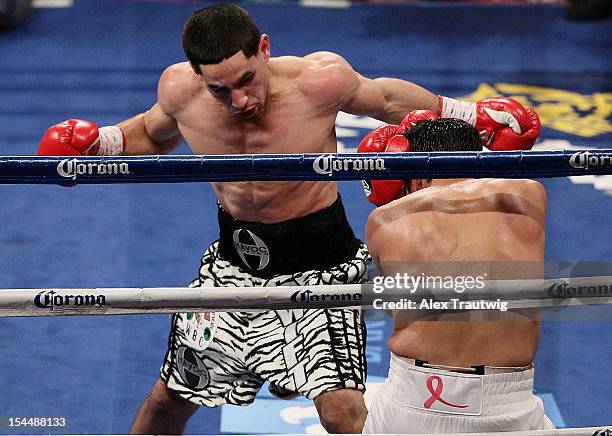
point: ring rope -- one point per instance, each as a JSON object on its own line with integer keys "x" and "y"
{"x": 284, "y": 167}
{"x": 116, "y": 301}
{"x": 604, "y": 430}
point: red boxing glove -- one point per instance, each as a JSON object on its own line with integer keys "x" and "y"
{"x": 384, "y": 139}
{"x": 411, "y": 119}
{"x": 503, "y": 123}
{"x": 520, "y": 134}
{"x": 81, "y": 138}
{"x": 390, "y": 139}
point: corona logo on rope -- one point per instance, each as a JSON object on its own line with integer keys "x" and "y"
{"x": 308, "y": 296}
{"x": 51, "y": 300}
{"x": 328, "y": 164}
{"x": 585, "y": 115}
{"x": 71, "y": 168}
{"x": 566, "y": 290}
{"x": 586, "y": 160}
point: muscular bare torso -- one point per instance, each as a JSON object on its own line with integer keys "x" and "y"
{"x": 297, "y": 119}
{"x": 472, "y": 222}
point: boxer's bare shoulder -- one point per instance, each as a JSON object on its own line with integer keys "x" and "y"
{"x": 326, "y": 61}
{"x": 527, "y": 187}
{"x": 381, "y": 231}
{"x": 513, "y": 196}
{"x": 321, "y": 75}
{"x": 177, "y": 86}
{"x": 521, "y": 201}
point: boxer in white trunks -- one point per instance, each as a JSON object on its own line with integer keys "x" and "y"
{"x": 455, "y": 371}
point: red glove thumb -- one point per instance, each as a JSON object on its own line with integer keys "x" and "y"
{"x": 507, "y": 139}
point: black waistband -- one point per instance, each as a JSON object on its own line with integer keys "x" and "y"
{"x": 317, "y": 241}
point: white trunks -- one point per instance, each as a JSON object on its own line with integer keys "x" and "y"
{"x": 416, "y": 399}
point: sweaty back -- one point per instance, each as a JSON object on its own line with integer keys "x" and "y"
{"x": 472, "y": 221}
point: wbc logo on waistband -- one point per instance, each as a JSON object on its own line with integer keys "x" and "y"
{"x": 252, "y": 250}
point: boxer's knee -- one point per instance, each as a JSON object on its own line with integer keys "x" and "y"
{"x": 341, "y": 411}
{"x": 165, "y": 402}
{"x": 162, "y": 412}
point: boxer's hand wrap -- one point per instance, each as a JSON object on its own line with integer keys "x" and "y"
{"x": 81, "y": 138}
{"x": 503, "y": 123}
{"x": 112, "y": 141}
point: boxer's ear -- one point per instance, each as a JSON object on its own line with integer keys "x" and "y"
{"x": 264, "y": 47}
{"x": 196, "y": 69}
{"x": 417, "y": 184}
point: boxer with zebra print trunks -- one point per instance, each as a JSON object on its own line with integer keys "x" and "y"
{"x": 225, "y": 357}
{"x": 232, "y": 97}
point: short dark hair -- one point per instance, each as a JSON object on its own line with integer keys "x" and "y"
{"x": 444, "y": 134}
{"x": 219, "y": 32}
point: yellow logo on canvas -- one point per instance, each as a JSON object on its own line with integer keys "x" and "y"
{"x": 567, "y": 111}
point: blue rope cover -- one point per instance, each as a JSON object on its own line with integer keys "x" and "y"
{"x": 352, "y": 166}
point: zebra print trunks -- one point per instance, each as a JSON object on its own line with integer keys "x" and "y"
{"x": 218, "y": 358}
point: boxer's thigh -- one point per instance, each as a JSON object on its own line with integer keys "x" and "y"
{"x": 204, "y": 362}
{"x": 205, "y": 358}
{"x": 312, "y": 351}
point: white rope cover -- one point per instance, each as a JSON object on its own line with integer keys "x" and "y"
{"x": 117, "y": 301}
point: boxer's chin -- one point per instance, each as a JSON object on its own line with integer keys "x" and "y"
{"x": 253, "y": 113}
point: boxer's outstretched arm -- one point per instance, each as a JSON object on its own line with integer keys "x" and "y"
{"x": 388, "y": 99}
{"x": 385, "y": 99}
{"x": 344, "y": 89}
{"x": 152, "y": 132}
{"x": 503, "y": 123}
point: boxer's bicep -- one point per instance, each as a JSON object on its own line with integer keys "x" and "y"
{"x": 147, "y": 133}
{"x": 341, "y": 87}
{"x": 364, "y": 97}
{"x": 160, "y": 126}
{"x": 388, "y": 99}
{"x": 402, "y": 97}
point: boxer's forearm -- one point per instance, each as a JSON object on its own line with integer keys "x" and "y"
{"x": 139, "y": 140}
{"x": 402, "y": 97}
